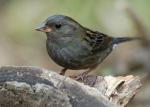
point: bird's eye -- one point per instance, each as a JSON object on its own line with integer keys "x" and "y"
{"x": 58, "y": 26}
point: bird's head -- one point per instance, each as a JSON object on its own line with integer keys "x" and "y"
{"x": 60, "y": 25}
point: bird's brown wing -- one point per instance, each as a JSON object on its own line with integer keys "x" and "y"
{"x": 97, "y": 41}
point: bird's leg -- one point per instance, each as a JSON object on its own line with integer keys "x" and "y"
{"x": 84, "y": 74}
{"x": 63, "y": 71}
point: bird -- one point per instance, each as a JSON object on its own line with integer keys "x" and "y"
{"x": 75, "y": 47}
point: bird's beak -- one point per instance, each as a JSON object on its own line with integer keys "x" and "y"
{"x": 43, "y": 28}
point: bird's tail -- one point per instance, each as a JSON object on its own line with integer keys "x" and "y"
{"x": 119, "y": 40}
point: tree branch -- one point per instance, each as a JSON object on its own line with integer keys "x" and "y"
{"x": 37, "y": 87}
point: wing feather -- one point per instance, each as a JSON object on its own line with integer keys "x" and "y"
{"x": 97, "y": 41}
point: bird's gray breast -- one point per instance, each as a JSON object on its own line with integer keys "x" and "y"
{"x": 67, "y": 54}
{"x": 74, "y": 54}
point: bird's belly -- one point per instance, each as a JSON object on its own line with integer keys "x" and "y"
{"x": 71, "y": 58}
{"x": 74, "y": 58}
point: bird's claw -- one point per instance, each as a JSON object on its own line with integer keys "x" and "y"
{"x": 79, "y": 77}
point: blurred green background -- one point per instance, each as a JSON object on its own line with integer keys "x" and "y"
{"x": 20, "y": 44}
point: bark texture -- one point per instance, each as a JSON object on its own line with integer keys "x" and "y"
{"x": 37, "y": 87}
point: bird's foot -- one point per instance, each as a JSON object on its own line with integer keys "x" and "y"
{"x": 79, "y": 77}
{"x": 62, "y": 72}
